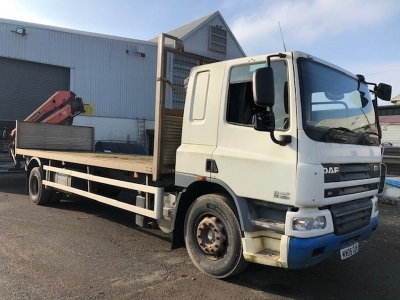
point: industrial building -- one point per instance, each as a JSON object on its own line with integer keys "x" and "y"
{"x": 389, "y": 118}
{"x": 115, "y": 76}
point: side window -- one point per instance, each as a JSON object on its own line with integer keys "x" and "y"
{"x": 199, "y": 97}
{"x": 241, "y": 107}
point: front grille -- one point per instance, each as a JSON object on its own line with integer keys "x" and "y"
{"x": 349, "y": 172}
{"x": 351, "y": 216}
{"x": 335, "y": 192}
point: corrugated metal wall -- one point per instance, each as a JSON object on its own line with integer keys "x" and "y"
{"x": 391, "y": 134}
{"x": 105, "y": 71}
{"x": 129, "y": 130}
{"x": 177, "y": 70}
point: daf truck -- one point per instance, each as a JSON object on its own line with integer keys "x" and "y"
{"x": 275, "y": 160}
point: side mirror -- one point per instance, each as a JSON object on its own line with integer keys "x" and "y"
{"x": 263, "y": 87}
{"x": 384, "y": 91}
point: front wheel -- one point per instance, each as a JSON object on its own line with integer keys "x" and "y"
{"x": 213, "y": 236}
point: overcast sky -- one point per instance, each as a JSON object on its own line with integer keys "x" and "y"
{"x": 362, "y": 36}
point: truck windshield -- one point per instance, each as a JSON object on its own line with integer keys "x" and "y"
{"x": 335, "y": 106}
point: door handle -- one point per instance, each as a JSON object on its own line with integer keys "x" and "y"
{"x": 211, "y": 166}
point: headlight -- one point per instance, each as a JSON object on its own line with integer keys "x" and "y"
{"x": 305, "y": 224}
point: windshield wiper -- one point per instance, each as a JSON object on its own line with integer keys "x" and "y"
{"x": 367, "y": 140}
{"x": 340, "y": 129}
{"x": 334, "y": 135}
{"x": 373, "y": 133}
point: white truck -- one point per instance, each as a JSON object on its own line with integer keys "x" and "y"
{"x": 275, "y": 160}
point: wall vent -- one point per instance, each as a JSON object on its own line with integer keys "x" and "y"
{"x": 218, "y": 38}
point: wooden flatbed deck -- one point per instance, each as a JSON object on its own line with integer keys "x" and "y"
{"x": 124, "y": 162}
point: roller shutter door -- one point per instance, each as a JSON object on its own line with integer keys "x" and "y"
{"x": 25, "y": 85}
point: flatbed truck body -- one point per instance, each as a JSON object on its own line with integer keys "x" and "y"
{"x": 120, "y": 161}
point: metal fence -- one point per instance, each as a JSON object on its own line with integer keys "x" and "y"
{"x": 178, "y": 69}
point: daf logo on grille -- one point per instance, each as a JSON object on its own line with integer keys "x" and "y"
{"x": 331, "y": 170}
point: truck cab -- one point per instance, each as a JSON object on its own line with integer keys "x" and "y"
{"x": 299, "y": 170}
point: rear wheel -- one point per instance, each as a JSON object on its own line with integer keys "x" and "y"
{"x": 213, "y": 236}
{"x": 37, "y": 192}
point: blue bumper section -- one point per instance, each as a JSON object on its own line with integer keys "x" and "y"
{"x": 310, "y": 251}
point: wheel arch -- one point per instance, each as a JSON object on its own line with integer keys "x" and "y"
{"x": 194, "y": 191}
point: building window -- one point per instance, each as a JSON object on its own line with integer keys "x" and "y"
{"x": 218, "y": 39}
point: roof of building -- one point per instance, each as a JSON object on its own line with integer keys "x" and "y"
{"x": 180, "y": 32}
{"x": 393, "y": 119}
{"x": 73, "y": 31}
{"x": 186, "y": 30}
{"x": 396, "y": 98}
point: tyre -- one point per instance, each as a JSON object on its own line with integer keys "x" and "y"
{"x": 37, "y": 193}
{"x": 213, "y": 236}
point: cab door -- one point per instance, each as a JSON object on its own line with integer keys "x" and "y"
{"x": 200, "y": 122}
{"x": 248, "y": 161}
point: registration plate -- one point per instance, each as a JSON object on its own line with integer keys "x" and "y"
{"x": 349, "y": 251}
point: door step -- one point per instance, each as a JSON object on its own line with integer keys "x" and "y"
{"x": 265, "y": 257}
{"x": 268, "y": 254}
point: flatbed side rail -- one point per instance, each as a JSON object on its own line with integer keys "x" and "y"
{"x": 158, "y": 192}
{"x": 53, "y": 137}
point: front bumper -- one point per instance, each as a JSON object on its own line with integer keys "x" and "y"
{"x": 305, "y": 252}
